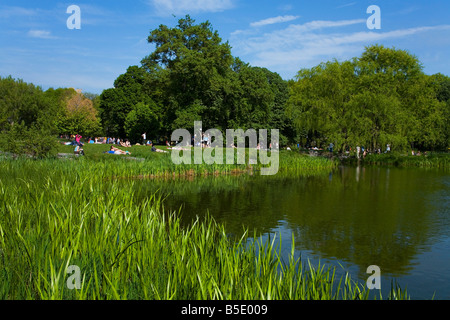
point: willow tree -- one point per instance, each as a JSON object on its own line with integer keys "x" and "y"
{"x": 321, "y": 104}
{"x": 381, "y": 98}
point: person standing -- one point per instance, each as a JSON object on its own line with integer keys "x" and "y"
{"x": 78, "y": 140}
{"x": 144, "y": 137}
{"x": 357, "y": 151}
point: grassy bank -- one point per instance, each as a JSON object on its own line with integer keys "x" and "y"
{"x": 429, "y": 160}
{"x": 144, "y": 163}
{"x": 55, "y": 214}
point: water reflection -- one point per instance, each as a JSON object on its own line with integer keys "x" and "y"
{"x": 357, "y": 215}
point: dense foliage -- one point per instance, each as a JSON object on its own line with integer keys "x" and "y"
{"x": 381, "y": 98}
{"x": 27, "y": 119}
{"x": 76, "y": 113}
{"x": 192, "y": 76}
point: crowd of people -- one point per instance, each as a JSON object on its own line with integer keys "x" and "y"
{"x": 358, "y": 151}
{"x": 204, "y": 142}
{"x": 361, "y": 151}
{"x": 76, "y": 141}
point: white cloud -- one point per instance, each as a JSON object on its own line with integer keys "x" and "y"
{"x": 288, "y": 49}
{"x": 285, "y": 7}
{"x": 274, "y": 20}
{"x": 294, "y": 36}
{"x": 11, "y": 12}
{"x": 321, "y": 24}
{"x": 347, "y": 5}
{"x": 41, "y": 34}
{"x": 167, "y": 7}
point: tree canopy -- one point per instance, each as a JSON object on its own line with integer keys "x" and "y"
{"x": 192, "y": 76}
{"x": 75, "y": 112}
{"x": 381, "y": 98}
{"x": 27, "y": 118}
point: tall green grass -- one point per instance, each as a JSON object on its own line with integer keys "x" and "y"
{"x": 144, "y": 163}
{"x": 54, "y": 214}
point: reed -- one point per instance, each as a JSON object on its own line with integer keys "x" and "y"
{"x": 146, "y": 164}
{"x": 55, "y": 214}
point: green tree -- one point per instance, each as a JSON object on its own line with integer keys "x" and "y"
{"x": 278, "y": 118}
{"x": 186, "y": 117}
{"x": 381, "y": 98}
{"x": 391, "y": 77}
{"x": 76, "y": 113}
{"x": 320, "y": 104}
{"x": 260, "y": 101}
{"x": 115, "y": 103}
{"x": 201, "y": 80}
{"x": 195, "y": 66}
{"x": 27, "y": 119}
{"x": 441, "y": 84}
{"x": 139, "y": 120}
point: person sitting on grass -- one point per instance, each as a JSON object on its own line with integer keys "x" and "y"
{"x": 78, "y": 150}
{"x": 125, "y": 144}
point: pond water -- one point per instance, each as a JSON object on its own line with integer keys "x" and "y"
{"x": 353, "y": 217}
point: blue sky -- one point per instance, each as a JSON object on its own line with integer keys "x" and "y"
{"x": 283, "y": 36}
